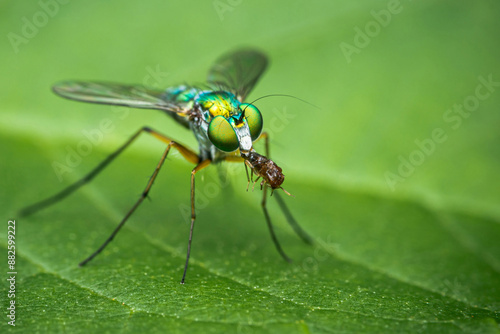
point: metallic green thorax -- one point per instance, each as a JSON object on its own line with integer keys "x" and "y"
{"x": 210, "y": 103}
{"x": 221, "y": 103}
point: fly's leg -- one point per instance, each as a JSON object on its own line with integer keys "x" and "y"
{"x": 248, "y": 176}
{"x": 198, "y": 167}
{"x": 131, "y": 211}
{"x": 264, "y": 207}
{"x": 271, "y": 229}
{"x": 291, "y": 220}
{"x": 284, "y": 208}
{"x": 186, "y": 152}
{"x": 72, "y": 188}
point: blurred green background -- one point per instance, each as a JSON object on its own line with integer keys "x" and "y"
{"x": 406, "y": 233}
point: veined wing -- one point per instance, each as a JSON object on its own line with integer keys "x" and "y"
{"x": 238, "y": 71}
{"x": 134, "y": 96}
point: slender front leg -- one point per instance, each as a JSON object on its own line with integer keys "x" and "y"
{"x": 291, "y": 220}
{"x": 199, "y": 167}
{"x": 289, "y": 217}
{"x": 271, "y": 229}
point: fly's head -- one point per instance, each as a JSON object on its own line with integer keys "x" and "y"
{"x": 233, "y": 125}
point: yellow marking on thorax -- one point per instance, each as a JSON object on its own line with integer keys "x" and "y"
{"x": 221, "y": 108}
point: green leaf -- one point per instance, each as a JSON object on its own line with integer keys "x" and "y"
{"x": 420, "y": 254}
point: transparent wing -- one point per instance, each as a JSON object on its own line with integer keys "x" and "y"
{"x": 238, "y": 71}
{"x": 134, "y": 96}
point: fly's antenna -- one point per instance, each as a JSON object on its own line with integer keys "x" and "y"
{"x": 242, "y": 115}
{"x": 273, "y": 95}
{"x": 283, "y": 95}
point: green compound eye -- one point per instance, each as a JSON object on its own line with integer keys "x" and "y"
{"x": 254, "y": 119}
{"x": 222, "y": 135}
